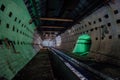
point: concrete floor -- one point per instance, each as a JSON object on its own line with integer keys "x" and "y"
{"x": 39, "y": 68}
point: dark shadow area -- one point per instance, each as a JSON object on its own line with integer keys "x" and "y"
{"x": 39, "y": 68}
{"x": 111, "y": 70}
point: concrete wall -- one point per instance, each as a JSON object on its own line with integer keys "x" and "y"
{"x": 103, "y": 25}
{"x": 17, "y": 50}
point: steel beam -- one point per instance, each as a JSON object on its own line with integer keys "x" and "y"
{"x": 52, "y": 27}
{"x": 56, "y": 19}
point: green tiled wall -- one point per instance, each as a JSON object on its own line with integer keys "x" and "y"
{"x": 14, "y": 25}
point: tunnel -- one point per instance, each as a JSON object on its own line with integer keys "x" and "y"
{"x": 59, "y": 39}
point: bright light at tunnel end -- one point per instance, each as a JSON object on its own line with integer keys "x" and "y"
{"x": 58, "y": 40}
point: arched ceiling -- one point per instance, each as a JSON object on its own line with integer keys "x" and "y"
{"x": 52, "y": 16}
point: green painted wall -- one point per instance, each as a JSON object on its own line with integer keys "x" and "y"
{"x": 14, "y": 25}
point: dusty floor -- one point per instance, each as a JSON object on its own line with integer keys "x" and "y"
{"x": 39, "y": 68}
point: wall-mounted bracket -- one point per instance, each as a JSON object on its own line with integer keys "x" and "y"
{"x": 9, "y": 44}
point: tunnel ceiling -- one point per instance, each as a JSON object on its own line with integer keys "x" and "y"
{"x": 52, "y": 16}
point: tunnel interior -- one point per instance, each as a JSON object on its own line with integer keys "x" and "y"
{"x": 59, "y": 40}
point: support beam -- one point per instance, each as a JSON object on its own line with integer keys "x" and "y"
{"x": 56, "y": 19}
{"x": 52, "y": 27}
{"x": 51, "y": 31}
{"x": 51, "y": 19}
